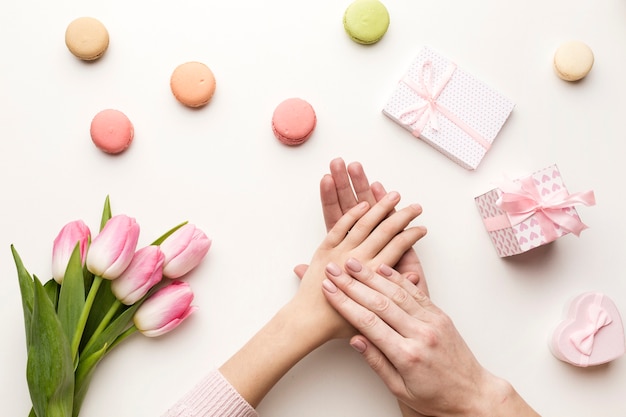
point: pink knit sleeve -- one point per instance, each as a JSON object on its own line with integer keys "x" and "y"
{"x": 212, "y": 397}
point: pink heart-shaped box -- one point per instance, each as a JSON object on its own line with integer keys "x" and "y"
{"x": 592, "y": 332}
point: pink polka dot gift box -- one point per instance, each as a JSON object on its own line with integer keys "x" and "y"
{"x": 531, "y": 211}
{"x": 448, "y": 108}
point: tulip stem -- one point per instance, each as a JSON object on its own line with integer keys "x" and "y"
{"x": 104, "y": 323}
{"x": 131, "y": 330}
{"x": 82, "y": 321}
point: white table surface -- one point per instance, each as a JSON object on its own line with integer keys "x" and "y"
{"x": 221, "y": 168}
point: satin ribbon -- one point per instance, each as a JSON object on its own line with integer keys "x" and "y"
{"x": 427, "y": 112}
{"x": 522, "y": 200}
{"x": 597, "y": 318}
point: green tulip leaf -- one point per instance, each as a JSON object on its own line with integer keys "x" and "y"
{"x": 72, "y": 296}
{"x": 84, "y": 373}
{"x": 52, "y": 290}
{"x": 49, "y": 368}
{"x": 168, "y": 233}
{"x": 112, "y": 331}
{"x": 106, "y": 212}
{"x": 102, "y": 303}
{"x": 87, "y": 279}
{"x": 26, "y": 289}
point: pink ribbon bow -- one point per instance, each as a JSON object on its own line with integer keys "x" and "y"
{"x": 427, "y": 112}
{"x": 597, "y": 318}
{"x": 523, "y": 200}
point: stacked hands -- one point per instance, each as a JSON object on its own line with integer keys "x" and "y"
{"x": 365, "y": 282}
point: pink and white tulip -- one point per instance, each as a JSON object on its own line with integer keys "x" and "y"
{"x": 112, "y": 250}
{"x": 72, "y": 234}
{"x": 165, "y": 309}
{"x": 143, "y": 273}
{"x": 184, "y": 250}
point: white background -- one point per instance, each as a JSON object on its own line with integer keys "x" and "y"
{"x": 221, "y": 168}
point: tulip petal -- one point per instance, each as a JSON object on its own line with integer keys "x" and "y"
{"x": 177, "y": 242}
{"x": 184, "y": 250}
{"x": 165, "y": 309}
{"x": 145, "y": 271}
{"x": 71, "y": 234}
{"x": 181, "y": 265}
{"x": 169, "y": 326}
{"x": 112, "y": 250}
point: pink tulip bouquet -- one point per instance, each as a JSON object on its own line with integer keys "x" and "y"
{"x": 101, "y": 292}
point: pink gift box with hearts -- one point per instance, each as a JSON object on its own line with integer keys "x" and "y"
{"x": 531, "y": 211}
{"x": 447, "y": 107}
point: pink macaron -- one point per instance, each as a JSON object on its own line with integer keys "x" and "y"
{"x": 111, "y": 131}
{"x": 293, "y": 121}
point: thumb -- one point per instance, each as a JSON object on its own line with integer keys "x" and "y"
{"x": 300, "y": 269}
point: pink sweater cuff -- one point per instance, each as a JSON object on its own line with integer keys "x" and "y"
{"x": 214, "y": 396}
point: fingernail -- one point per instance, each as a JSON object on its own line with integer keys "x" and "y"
{"x": 362, "y": 205}
{"x": 354, "y": 265}
{"x": 417, "y": 207}
{"x": 385, "y": 270}
{"x": 393, "y": 196}
{"x": 333, "y": 269}
{"x": 358, "y": 345}
{"x": 329, "y": 286}
{"x": 414, "y": 278}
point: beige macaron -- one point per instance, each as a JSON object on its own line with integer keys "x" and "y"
{"x": 573, "y": 60}
{"x": 87, "y": 38}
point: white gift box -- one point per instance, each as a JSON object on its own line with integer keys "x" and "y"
{"x": 442, "y": 104}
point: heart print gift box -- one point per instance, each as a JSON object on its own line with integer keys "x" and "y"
{"x": 531, "y": 211}
{"x": 448, "y": 108}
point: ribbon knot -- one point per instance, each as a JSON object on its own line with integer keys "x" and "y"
{"x": 523, "y": 200}
{"x": 597, "y": 318}
{"x": 427, "y": 112}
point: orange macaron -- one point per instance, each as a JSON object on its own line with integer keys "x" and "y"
{"x": 193, "y": 84}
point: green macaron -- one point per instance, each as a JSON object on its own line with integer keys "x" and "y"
{"x": 366, "y": 21}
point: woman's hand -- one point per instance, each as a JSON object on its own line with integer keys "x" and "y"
{"x": 409, "y": 264}
{"x": 376, "y": 234}
{"x": 343, "y": 189}
{"x": 414, "y": 347}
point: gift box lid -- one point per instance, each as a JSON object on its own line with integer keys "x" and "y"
{"x": 447, "y": 107}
